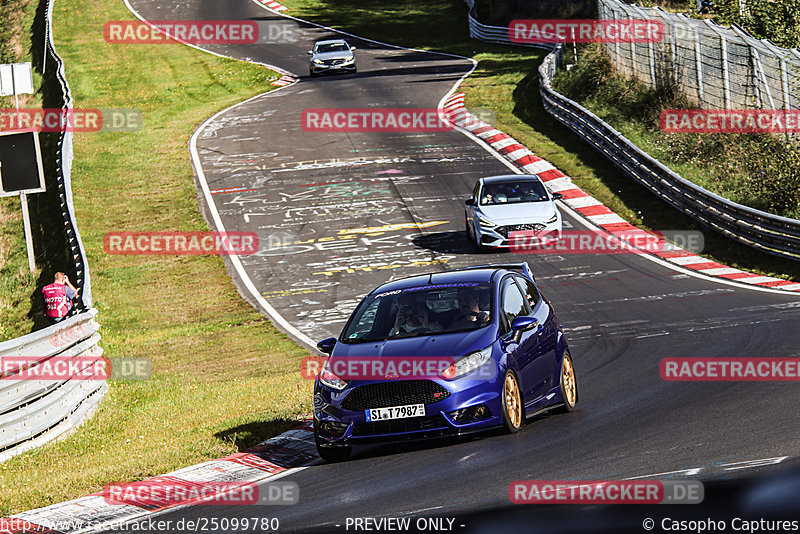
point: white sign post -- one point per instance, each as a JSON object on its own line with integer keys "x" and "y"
{"x": 17, "y": 79}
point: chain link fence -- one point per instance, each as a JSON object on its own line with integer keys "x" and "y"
{"x": 719, "y": 67}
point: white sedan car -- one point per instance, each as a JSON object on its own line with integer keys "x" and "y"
{"x": 333, "y": 55}
{"x": 503, "y": 204}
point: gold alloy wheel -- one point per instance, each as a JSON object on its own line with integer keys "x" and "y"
{"x": 513, "y": 401}
{"x": 568, "y": 379}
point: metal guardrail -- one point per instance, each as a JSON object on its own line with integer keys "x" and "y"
{"x": 767, "y": 232}
{"x": 494, "y": 34}
{"x": 33, "y": 412}
{"x": 761, "y": 230}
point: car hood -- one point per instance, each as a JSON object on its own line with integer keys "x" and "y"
{"x": 333, "y": 55}
{"x": 524, "y": 212}
{"x": 451, "y": 345}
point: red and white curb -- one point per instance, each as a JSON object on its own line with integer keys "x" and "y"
{"x": 591, "y": 208}
{"x": 284, "y": 80}
{"x": 293, "y": 449}
{"x": 275, "y": 6}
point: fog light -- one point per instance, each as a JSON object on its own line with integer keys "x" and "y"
{"x": 472, "y": 413}
{"x": 332, "y": 428}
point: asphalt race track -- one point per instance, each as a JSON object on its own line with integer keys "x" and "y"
{"x": 342, "y": 212}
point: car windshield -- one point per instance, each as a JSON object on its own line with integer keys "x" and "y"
{"x": 332, "y": 47}
{"x": 513, "y": 192}
{"x": 421, "y": 311}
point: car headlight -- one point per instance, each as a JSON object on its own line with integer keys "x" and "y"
{"x": 330, "y": 379}
{"x": 486, "y": 222}
{"x": 467, "y": 363}
{"x": 317, "y": 61}
{"x": 349, "y": 60}
{"x": 552, "y": 219}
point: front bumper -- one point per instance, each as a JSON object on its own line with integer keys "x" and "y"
{"x": 316, "y": 68}
{"x": 455, "y": 415}
{"x": 498, "y": 236}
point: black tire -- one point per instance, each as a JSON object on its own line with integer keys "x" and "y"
{"x": 513, "y": 404}
{"x": 570, "y": 400}
{"x": 332, "y": 454}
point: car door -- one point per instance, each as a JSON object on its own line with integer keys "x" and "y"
{"x": 539, "y": 350}
{"x": 520, "y": 347}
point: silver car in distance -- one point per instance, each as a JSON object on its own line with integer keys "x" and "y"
{"x": 333, "y": 55}
{"x": 503, "y": 204}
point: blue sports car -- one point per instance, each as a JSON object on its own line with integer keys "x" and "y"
{"x": 442, "y": 354}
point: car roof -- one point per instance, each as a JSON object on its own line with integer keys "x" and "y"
{"x": 509, "y": 177}
{"x": 331, "y": 41}
{"x": 480, "y": 275}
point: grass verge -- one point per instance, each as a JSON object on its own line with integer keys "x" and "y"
{"x": 224, "y": 378}
{"x": 17, "y": 282}
{"x": 507, "y": 81}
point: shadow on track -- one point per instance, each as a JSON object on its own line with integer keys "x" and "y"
{"x": 249, "y": 435}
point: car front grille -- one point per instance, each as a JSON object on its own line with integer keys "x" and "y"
{"x": 395, "y": 426}
{"x": 333, "y": 61}
{"x": 394, "y": 393}
{"x": 505, "y": 230}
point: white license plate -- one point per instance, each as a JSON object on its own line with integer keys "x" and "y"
{"x": 395, "y": 412}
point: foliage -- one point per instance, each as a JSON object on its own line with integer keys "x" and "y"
{"x": 765, "y": 19}
{"x": 758, "y": 170}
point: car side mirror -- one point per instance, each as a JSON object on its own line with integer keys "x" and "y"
{"x": 470, "y": 202}
{"x": 352, "y": 48}
{"x": 557, "y": 196}
{"x": 524, "y": 322}
{"x": 326, "y": 345}
{"x": 309, "y": 52}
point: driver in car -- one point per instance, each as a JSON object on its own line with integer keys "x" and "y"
{"x": 469, "y": 311}
{"x": 413, "y": 317}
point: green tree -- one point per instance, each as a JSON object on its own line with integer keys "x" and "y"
{"x": 776, "y": 20}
